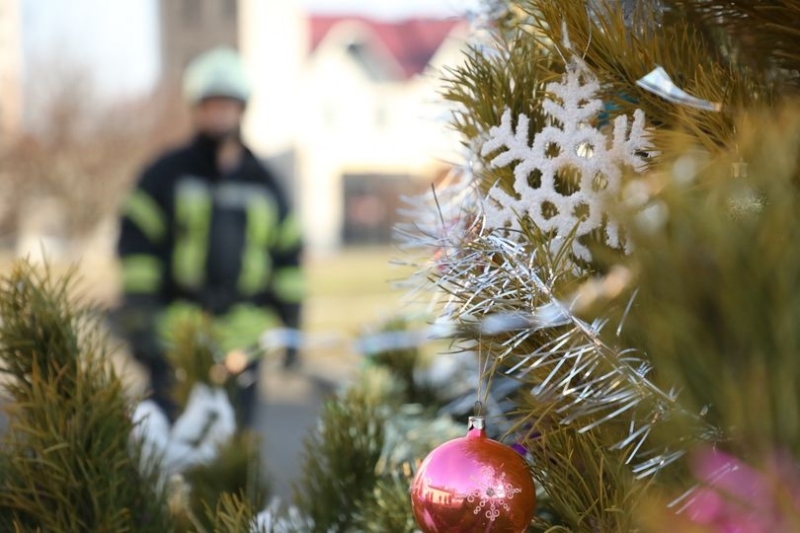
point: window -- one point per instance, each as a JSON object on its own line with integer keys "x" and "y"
{"x": 372, "y": 203}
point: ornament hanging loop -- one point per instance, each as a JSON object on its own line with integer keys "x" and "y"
{"x": 477, "y": 421}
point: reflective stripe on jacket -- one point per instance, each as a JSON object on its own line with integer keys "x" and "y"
{"x": 227, "y": 245}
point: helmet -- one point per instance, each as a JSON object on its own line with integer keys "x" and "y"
{"x": 218, "y": 72}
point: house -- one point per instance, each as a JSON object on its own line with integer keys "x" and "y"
{"x": 349, "y": 108}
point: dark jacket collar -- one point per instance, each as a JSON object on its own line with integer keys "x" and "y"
{"x": 203, "y": 149}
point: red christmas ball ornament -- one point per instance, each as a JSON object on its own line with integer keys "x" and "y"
{"x": 473, "y": 484}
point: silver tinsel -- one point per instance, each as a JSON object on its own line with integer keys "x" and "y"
{"x": 488, "y": 284}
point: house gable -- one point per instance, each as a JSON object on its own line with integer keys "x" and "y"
{"x": 388, "y": 50}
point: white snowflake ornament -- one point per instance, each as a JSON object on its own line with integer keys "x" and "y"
{"x": 563, "y": 179}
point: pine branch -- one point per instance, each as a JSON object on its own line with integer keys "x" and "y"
{"x": 505, "y": 74}
{"x": 233, "y": 513}
{"x": 40, "y": 326}
{"x": 619, "y": 54}
{"x": 69, "y": 464}
{"x": 589, "y": 487}
{"x": 341, "y": 456}
{"x": 766, "y": 33}
{"x": 387, "y": 507}
{"x": 236, "y": 470}
{"x": 717, "y": 306}
{"x": 193, "y": 351}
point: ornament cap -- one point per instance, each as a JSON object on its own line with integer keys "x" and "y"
{"x": 477, "y": 427}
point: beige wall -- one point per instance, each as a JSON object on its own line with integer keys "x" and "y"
{"x": 353, "y": 125}
{"x": 273, "y": 40}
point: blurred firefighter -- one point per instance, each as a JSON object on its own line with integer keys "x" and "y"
{"x": 208, "y": 230}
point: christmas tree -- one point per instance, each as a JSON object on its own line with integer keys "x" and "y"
{"x": 625, "y": 255}
{"x": 71, "y": 459}
{"x": 67, "y": 460}
{"x": 618, "y": 244}
{"x": 612, "y": 264}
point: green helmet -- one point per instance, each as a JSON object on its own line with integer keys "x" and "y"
{"x": 218, "y": 72}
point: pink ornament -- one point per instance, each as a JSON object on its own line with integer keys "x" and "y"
{"x": 473, "y": 484}
{"x": 738, "y": 498}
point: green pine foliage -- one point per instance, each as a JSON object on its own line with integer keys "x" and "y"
{"x": 236, "y": 471}
{"x": 233, "y": 513}
{"x": 237, "y": 467}
{"x": 715, "y": 306}
{"x": 589, "y": 486}
{"x": 340, "y": 456}
{"x": 486, "y": 84}
{"x": 718, "y": 301}
{"x": 387, "y": 507}
{"x": 67, "y": 461}
{"x": 193, "y": 353}
{"x": 768, "y": 31}
{"x": 359, "y": 462}
{"x": 620, "y": 52}
{"x": 404, "y": 363}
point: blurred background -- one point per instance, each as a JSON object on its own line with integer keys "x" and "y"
{"x": 345, "y": 109}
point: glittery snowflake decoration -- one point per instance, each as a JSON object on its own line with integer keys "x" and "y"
{"x": 563, "y": 179}
{"x": 492, "y": 493}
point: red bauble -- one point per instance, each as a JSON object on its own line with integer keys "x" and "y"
{"x": 473, "y": 484}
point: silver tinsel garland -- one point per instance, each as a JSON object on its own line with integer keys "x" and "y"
{"x": 488, "y": 285}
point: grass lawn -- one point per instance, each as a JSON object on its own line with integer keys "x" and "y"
{"x": 350, "y": 291}
{"x": 352, "y": 288}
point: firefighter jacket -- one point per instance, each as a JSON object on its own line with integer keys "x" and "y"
{"x": 192, "y": 240}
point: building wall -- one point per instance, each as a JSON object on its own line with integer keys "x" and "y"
{"x": 190, "y": 27}
{"x": 325, "y": 118}
{"x": 273, "y": 40}
{"x": 355, "y": 126}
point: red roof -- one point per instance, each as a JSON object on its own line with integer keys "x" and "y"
{"x": 412, "y": 42}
